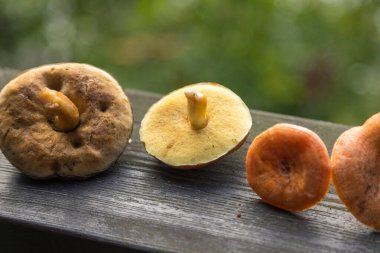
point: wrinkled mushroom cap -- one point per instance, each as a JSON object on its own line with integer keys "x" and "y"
{"x": 167, "y": 134}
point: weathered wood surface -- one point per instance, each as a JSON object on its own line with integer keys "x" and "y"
{"x": 143, "y": 205}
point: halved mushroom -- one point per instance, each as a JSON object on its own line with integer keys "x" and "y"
{"x": 195, "y": 125}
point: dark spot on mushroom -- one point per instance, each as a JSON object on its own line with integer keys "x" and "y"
{"x": 285, "y": 167}
{"x": 103, "y": 106}
{"x": 53, "y": 80}
{"x": 238, "y": 215}
{"x": 170, "y": 145}
{"x": 76, "y": 142}
{"x": 50, "y": 120}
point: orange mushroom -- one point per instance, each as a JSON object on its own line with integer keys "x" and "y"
{"x": 356, "y": 171}
{"x": 288, "y": 166}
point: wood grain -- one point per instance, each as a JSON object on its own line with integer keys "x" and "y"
{"x": 143, "y": 205}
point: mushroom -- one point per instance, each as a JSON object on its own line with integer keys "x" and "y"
{"x": 65, "y": 120}
{"x": 288, "y": 166}
{"x": 195, "y": 125}
{"x": 356, "y": 171}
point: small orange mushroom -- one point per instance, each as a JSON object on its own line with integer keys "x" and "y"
{"x": 288, "y": 166}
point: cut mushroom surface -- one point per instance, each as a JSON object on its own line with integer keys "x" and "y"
{"x": 195, "y": 125}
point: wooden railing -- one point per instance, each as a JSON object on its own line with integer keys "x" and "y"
{"x": 142, "y": 205}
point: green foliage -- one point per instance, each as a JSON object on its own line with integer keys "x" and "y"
{"x": 312, "y": 58}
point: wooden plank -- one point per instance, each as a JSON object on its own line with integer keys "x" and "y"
{"x": 143, "y": 205}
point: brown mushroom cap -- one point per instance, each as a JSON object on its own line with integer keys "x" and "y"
{"x": 356, "y": 171}
{"x": 28, "y": 138}
{"x": 168, "y": 135}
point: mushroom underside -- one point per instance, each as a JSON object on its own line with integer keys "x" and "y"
{"x": 27, "y": 135}
{"x": 168, "y": 135}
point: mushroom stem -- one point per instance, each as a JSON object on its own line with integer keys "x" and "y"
{"x": 196, "y": 109}
{"x": 64, "y": 112}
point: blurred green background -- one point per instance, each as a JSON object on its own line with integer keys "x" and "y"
{"x": 312, "y": 58}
